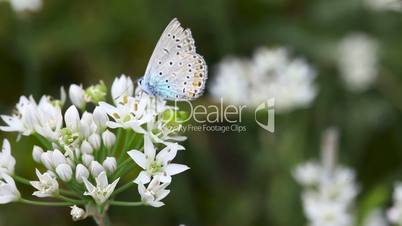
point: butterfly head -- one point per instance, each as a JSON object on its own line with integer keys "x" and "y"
{"x": 142, "y": 84}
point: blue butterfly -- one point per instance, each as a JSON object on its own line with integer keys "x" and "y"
{"x": 175, "y": 71}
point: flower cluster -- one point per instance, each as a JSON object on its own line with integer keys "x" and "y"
{"x": 358, "y": 63}
{"x": 272, "y": 73}
{"x": 394, "y": 214}
{"x": 383, "y": 5}
{"x": 87, "y": 153}
{"x": 26, "y": 5}
{"x": 329, "y": 190}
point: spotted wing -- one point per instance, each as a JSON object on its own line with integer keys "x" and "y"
{"x": 175, "y": 71}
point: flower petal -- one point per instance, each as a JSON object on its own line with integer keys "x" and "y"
{"x": 138, "y": 158}
{"x": 173, "y": 169}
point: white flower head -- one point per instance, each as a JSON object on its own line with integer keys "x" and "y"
{"x": 44, "y": 118}
{"x": 102, "y": 191}
{"x": 156, "y": 164}
{"x": 122, "y": 86}
{"x": 96, "y": 168}
{"x": 77, "y": 96}
{"x": 37, "y": 153}
{"x": 64, "y": 172}
{"x": 110, "y": 164}
{"x": 81, "y": 172}
{"x": 358, "y": 61}
{"x": 100, "y": 118}
{"x": 26, "y": 5}
{"x": 8, "y": 190}
{"x": 129, "y": 113}
{"x": 7, "y": 161}
{"x": 384, "y": 5}
{"x": 308, "y": 174}
{"x": 109, "y": 139}
{"x": 394, "y": 214}
{"x": 77, "y": 213}
{"x": 47, "y": 185}
{"x": 232, "y": 81}
{"x": 154, "y": 193}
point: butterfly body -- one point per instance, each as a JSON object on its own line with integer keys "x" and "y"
{"x": 175, "y": 71}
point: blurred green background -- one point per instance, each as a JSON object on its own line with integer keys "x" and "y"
{"x": 235, "y": 179}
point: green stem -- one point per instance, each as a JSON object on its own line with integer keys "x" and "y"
{"x": 123, "y": 188}
{"x": 21, "y": 180}
{"x": 67, "y": 199}
{"x": 45, "y": 143}
{"x": 118, "y": 141}
{"x": 121, "y": 203}
{"x": 40, "y": 203}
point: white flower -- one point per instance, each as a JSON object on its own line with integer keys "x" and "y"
{"x": 26, "y": 5}
{"x": 64, "y": 171}
{"x": 276, "y": 75}
{"x": 272, "y": 73}
{"x": 100, "y": 118}
{"x": 96, "y": 168}
{"x": 81, "y": 172}
{"x": 321, "y": 212}
{"x": 7, "y": 161}
{"x": 156, "y": 164}
{"x": 154, "y": 193}
{"x": 8, "y": 190}
{"x": 232, "y": 81}
{"x": 77, "y": 96}
{"x": 47, "y": 185}
{"x": 108, "y": 139}
{"x": 382, "y": 5}
{"x": 95, "y": 141}
{"x": 44, "y": 118}
{"x": 121, "y": 87}
{"x": 86, "y": 148}
{"x": 102, "y": 191}
{"x": 110, "y": 164}
{"x": 358, "y": 61}
{"x": 77, "y": 213}
{"x": 128, "y": 113}
{"x": 394, "y": 214}
{"x": 375, "y": 217}
{"x": 51, "y": 159}
{"x": 37, "y": 153}
{"x": 87, "y": 159}
{"x": 308, "y": 174}
{"x": 72, "y": 119}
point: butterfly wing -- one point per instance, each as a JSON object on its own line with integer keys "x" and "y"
{"x": 175, "y": 71}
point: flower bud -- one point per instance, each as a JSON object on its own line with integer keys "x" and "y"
{"x": 37, "y": 153}
{"x": 108, "y": 139}
{"x": 96, "y": 93}
{"x": 81, "y": 172}
{"x": 77, "y": 96}
{"x": 64, "y": 172}
{"x": 46, "y": 159}
{"x": 95, "y": 141}
{"x": 72, "y": 119}
{"x": 87, "y": 159}
{"x": 110, "y": 164}
{"x": 86, "y": 147}
{"x": 58, "y": 158}
{"x": 96, "y": 168}
{"x": 77, "y": 213}
{"x": 100, "y": 118}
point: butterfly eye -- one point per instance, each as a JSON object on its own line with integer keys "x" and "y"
{"x": 160, "y": 73}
